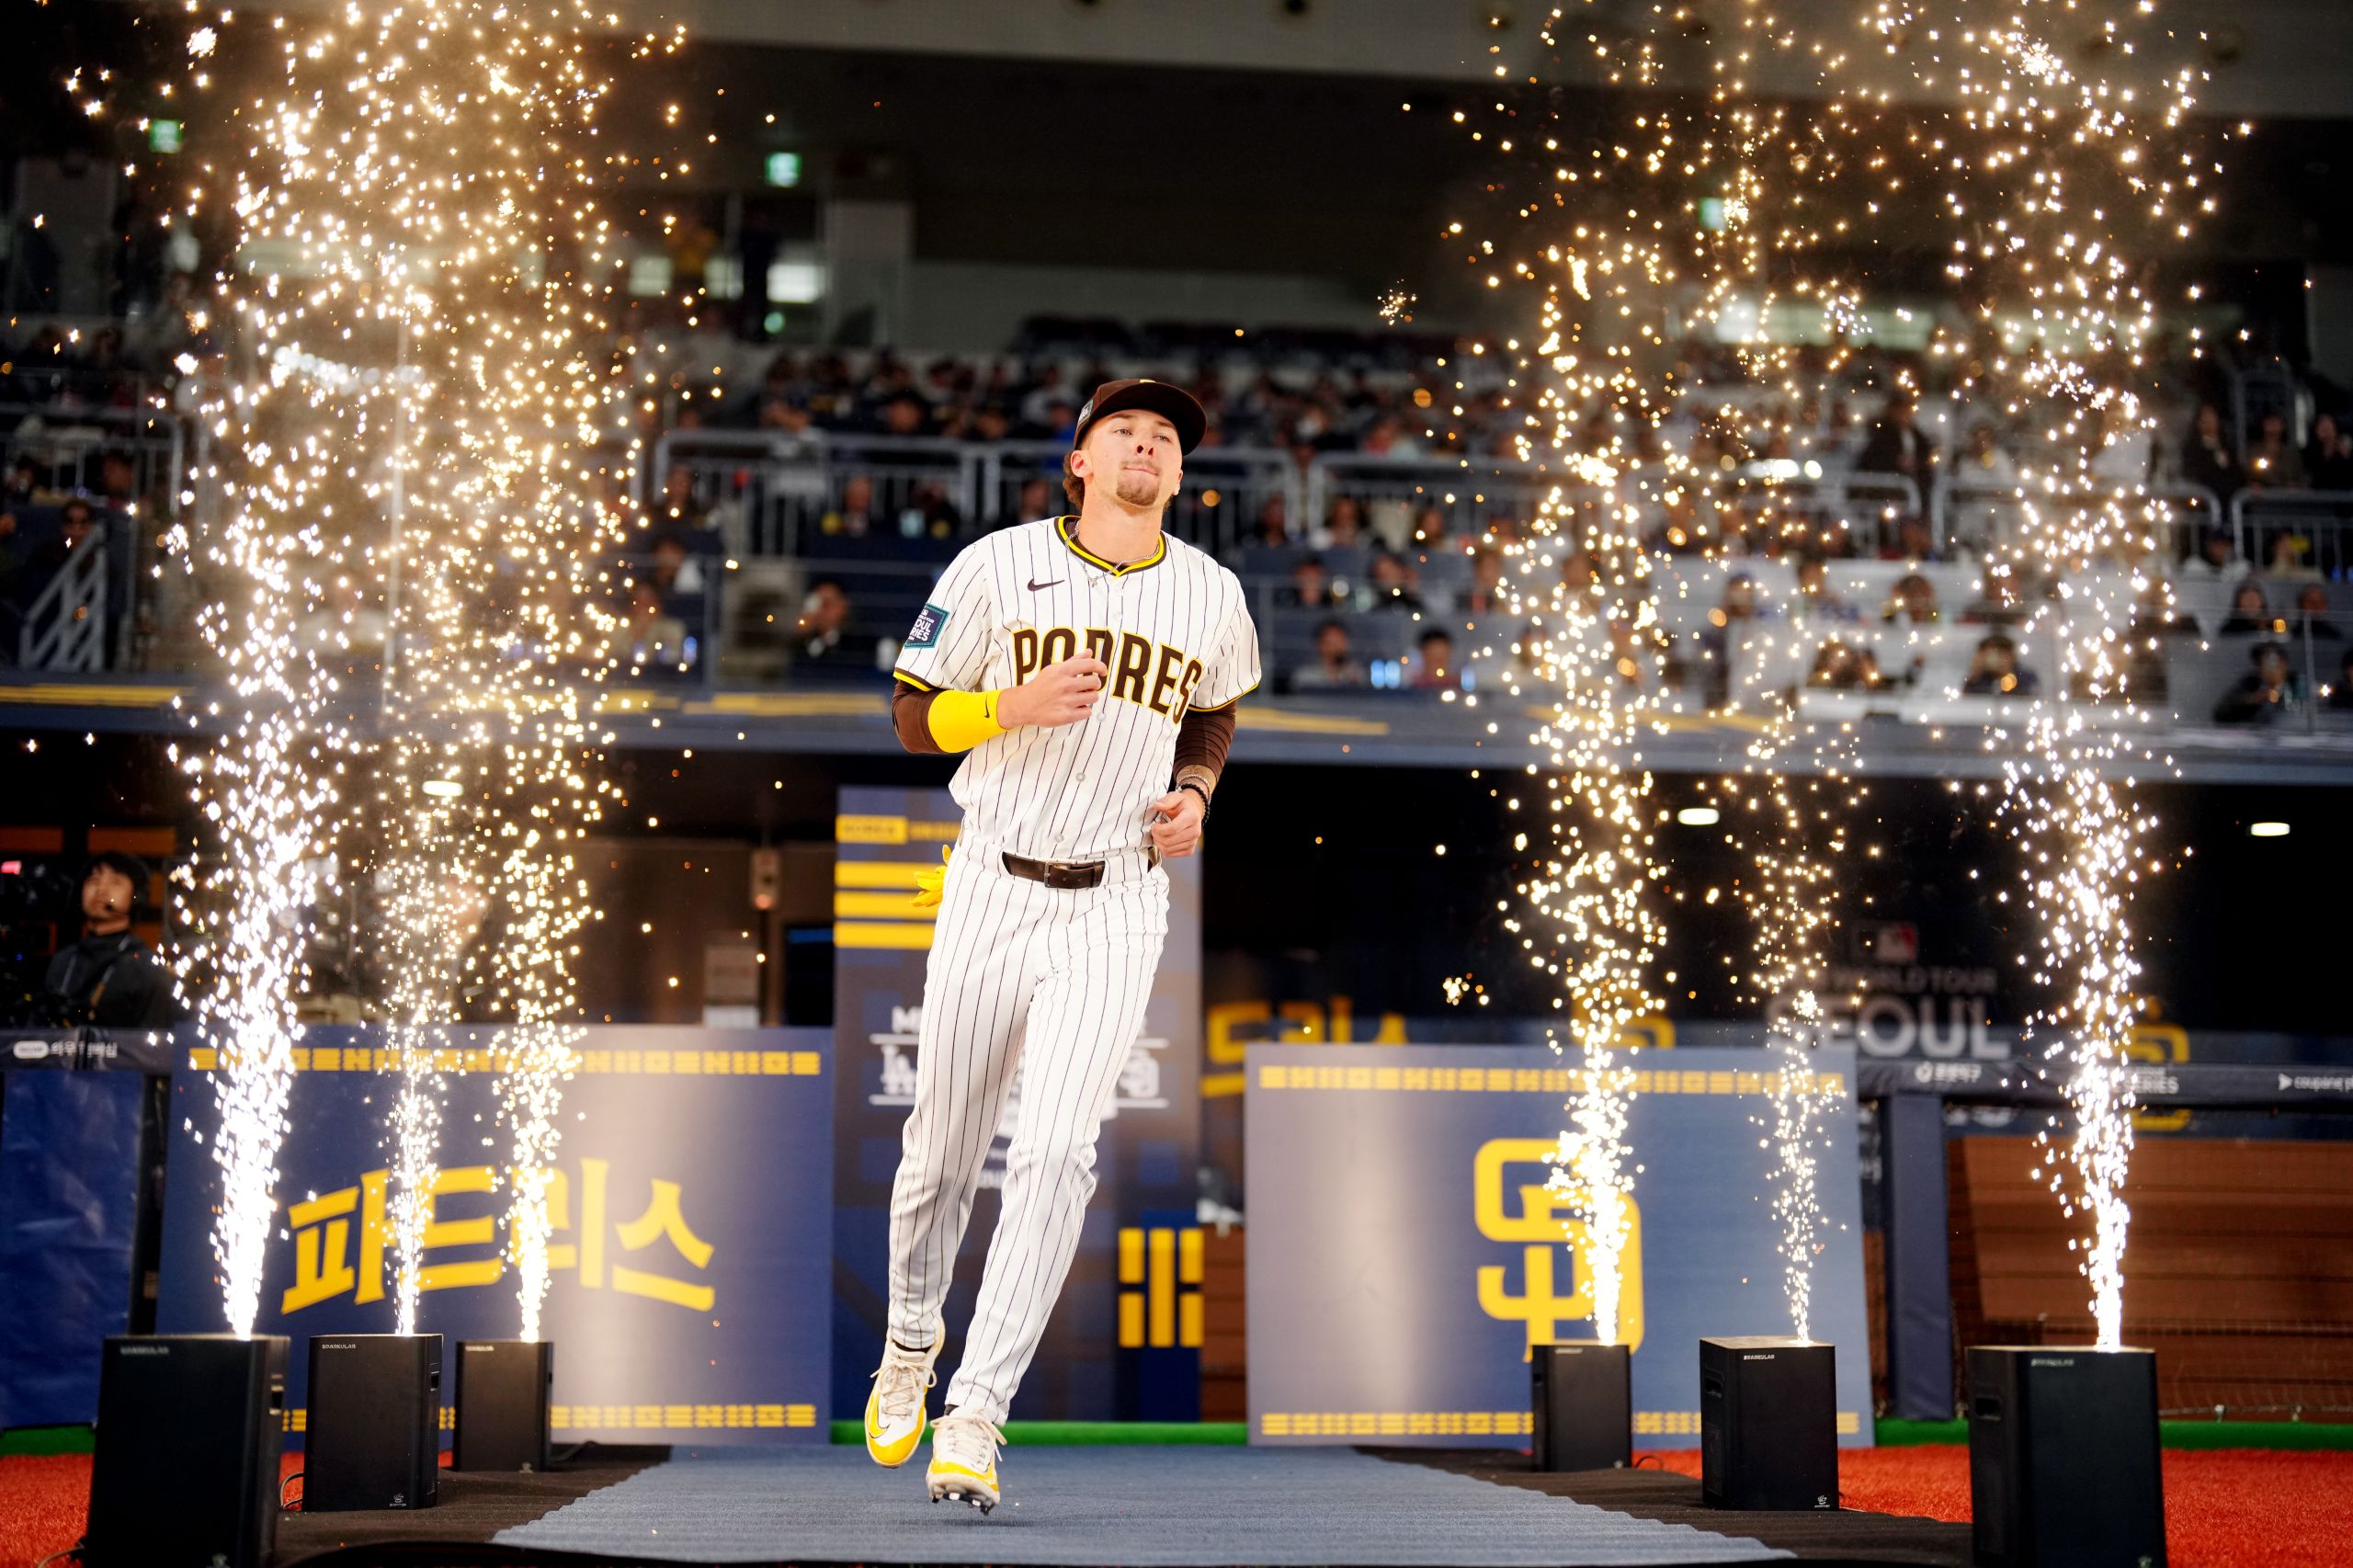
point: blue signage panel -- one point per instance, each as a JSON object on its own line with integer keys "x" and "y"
{"x": 692, "y": 1210}
{"x": 1405, "y": 1253}
{"x": 1124, "y": 1339}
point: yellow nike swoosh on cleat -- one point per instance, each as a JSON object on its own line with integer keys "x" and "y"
{"x": 987, "y": 1477}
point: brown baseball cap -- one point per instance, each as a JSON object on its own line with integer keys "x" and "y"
{"x": 1166, "y": 399}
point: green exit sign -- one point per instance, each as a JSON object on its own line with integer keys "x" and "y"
{"x": 164, "y": 135}
{"x": 784, "y": 169}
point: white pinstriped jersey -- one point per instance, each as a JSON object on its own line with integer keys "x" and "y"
{"x": 1174, "y": 631}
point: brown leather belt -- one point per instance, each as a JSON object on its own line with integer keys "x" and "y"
{"x": 1056, "y": 873}
{"x": 1063, "y": 873}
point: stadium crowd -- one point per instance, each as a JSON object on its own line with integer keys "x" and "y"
{"x": 1373, "y": 590}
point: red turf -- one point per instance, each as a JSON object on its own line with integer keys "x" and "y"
{"x": 2228, "y": 1508}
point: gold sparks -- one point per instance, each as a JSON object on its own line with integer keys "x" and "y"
{"x": 414, "y": 420}
{"x": 1670, "y": 398}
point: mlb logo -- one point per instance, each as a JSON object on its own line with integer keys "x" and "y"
{"x": 1895, "y": 942}
{"x": 925, "y": 632}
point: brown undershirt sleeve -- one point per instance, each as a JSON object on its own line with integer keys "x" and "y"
{"x": 1202, "y": 741}
{"x": 911, "y": 716}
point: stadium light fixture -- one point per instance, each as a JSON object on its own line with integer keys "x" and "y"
{"x": 2266, "y": 830}
{"x": 1698, "y": 816}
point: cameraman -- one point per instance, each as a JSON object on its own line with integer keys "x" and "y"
{"x": 109, "y": 978}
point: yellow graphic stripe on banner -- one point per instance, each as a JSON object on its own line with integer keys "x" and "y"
{"x": 47, "y": 694}
{"x": 1130, "y": 1320}
{"x": 1396, "y": 1423}
{"x": 1163, "y": 1271}
{"x": 880, "y": 933}
{"x": 792, "y": 705}
{"x": 1307, "y": 723}
{"x": 678, "y": 1417}
{"x": 882, "y": 905}
{"x": 1188, "y": 1319}
{"x": 1188, "y": 1257}
{"x": 853, "y": 829}
{"x": 1131, "y": 1255}
{"x": 1532, "y": 1080}
{"x": 685, "y": 1064}
{"x": 879, "y": 873}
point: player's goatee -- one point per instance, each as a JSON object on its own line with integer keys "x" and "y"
{"x": 1137, "y": 489}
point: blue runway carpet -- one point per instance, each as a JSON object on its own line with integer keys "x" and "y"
{"x": 1141, "y": 1505}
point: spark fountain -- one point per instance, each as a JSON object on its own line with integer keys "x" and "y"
{"x": 421, "y": 291}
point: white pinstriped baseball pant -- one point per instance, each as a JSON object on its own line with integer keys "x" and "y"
{"x": 1052, "y": 983}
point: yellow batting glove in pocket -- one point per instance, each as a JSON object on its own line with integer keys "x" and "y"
{"x": 931, "y": 885}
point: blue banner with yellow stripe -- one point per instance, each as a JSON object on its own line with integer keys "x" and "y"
{"x": 1405, "y": 1251}
{"x": 1121, "y": 1344}
{"x": 690, "y": 1200}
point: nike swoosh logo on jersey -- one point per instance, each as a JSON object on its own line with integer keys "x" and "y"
{"x": 1057, "y": 583}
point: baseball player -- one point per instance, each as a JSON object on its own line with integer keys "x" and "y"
{"x": 1088, "y": 666}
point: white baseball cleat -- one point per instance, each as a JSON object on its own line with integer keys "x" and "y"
{"x": 963, "y": 1460}
{"x": 894, "y": 1410}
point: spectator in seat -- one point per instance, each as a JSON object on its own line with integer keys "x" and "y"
{"x": 118, "y": 480}
{"x": 1036, "y": 501}
{"x": 2328, "y": 456}
{"x": 1308, "y": 587}
{"x": 1434, "y": 666}
{"x": 675, "y": 572}
{"x": 2287, "y": 561}
{"x": 651, "y": 638}
{"x": 1983, "y": 461}
{"x": 1897, "y": 443}
{"x": 1914, "y": 542}
{"x": 856, "y": 516}
{"x": 678, "y": 498}
{"x": 823, "y": 634}
{"x": 2206, "y": 456}
{"x": 1815, "y": 599}
{"x": 2001, "y": 602}
{"x": 1342, "y": 524}
{"x": 2249, "y": 613}
{"x": 1392, "y": 584}
{"x": 1995, "y": 670}
{"x": 1839, "y": 666}
{"x": 23, "y": 482}
{"x": 2265, "y": 694}
{"x": 2340, "y": 696}
{"x": 1336, "y": 667}
{"x": 2313, "y": 616}
{"x": 1486, "y": 596}
{"x": 2272, "y": 460}
{"x": 1272, "y": 526}
{"x": 108, "y": 977}
{"x": 2217, "y": 559}
{"x": 1911, "y": 602}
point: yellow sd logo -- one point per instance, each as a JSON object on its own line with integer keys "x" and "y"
{"x": 1544, "y": 1224}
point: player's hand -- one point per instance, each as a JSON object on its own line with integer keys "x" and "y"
{"x": 1177, "y": 824}
{"x": 1059, "y": 693}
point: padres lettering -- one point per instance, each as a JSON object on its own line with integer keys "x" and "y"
{"x": 1544, "y": 1225}
{"x": 1168, "y": 691}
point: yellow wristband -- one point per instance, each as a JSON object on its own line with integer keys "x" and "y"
{"x": 963, "y": 720}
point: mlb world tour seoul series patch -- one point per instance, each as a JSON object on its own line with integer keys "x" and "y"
{"x": 925, "y": 632}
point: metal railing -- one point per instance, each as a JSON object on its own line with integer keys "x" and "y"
{"x": 2000, "y": 507}
{"x": 2324, "y": 519}
{"x": 773, "y": 493}
{"x": 66, "y": 446}
{"x": 65, "y": 626}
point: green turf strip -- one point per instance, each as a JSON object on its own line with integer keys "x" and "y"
{"x": 46, "y": 1441}
{"x": 2282, "y": 1435}
{"x": 2279, "y": 1434}
{"x": 1075, "y": 1434}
